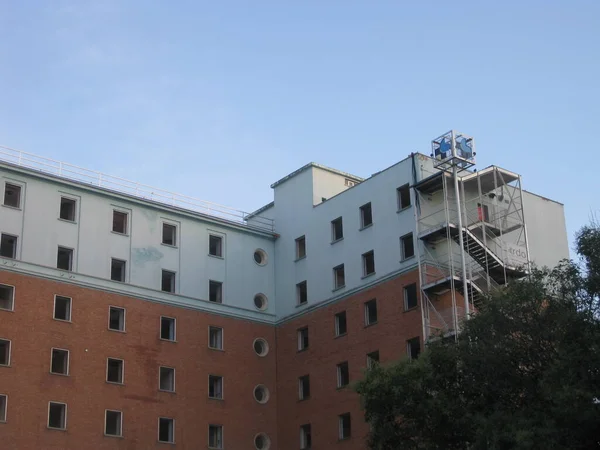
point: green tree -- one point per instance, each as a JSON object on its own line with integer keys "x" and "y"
{"x": 524, "y": 373}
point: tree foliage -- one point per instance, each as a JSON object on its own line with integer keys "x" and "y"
{"x": 524, "y": 373}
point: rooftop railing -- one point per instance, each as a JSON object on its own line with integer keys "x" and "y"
{"x": 132, "y": 188}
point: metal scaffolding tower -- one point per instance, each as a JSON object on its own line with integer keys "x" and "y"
{"x": 472, "y": 232}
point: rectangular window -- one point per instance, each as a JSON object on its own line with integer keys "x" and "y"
{"x": 166, "y": 430}
{"x": 116, "y": 318}
{"x": 339, "y": 277}
{"x": 167, "y": 328}
{"x": 113, "y": 423}
{"x": 12, "y": 195}
{"x": 371, "y": 312}
{"x": 167, "y": 282}
{"x": 3, "y": 407}
{"x": 117, "y": 270}
{"x": 368, "y": 262}
{"x": 215, "y": 245}
{"x": 345, "y": 426}
{"x": 304, "y": 387}
{"x": 343, "y": 374}
{"x": 301, "y": 293}
{"x": 59, "y": 362}
{"x": 166, "y": 379}
{"x": 67, "y": 209}
{"x": 340, "y": 323}
{"x": 215, "y": 436}
{"x": 64, "y": 258}
{"x": 215, "y": 387}
{"x": 301, "y": 247}
{"x": 403, "y": 197}
{"x": 337, "y": 229}
{"x": 115, "y": 370}
{"x": 169, "y": 234}
{"x": 349, "y": 183}
{"x": 372, "y": 359}
{"x": 483, "y": 212}
{"x": 119, "y": 224}
{"x": 62, "y": 308}
{"x": 302, "y": 338}
{"x": 215, "y": 291}
{"x": 8, "y": 246}
{"x": 305, "y": 437}
{"x": 57, "y": 416}
{"x": 366, "y": 215}
{"x": 410, "y": 296}
{"x": 413, "y": 347}
{"x": 7, "y": 297}
{"x": 4, "y": 352}
{"x": 215, "y": 338}
{"x": 408, "y": 246}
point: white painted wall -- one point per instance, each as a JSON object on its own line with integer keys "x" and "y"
{"x": 40, "y": 232}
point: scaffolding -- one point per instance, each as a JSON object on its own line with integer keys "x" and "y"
{"x": 472, "y": 234}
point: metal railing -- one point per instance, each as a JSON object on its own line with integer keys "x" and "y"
{"x": 121, "y": 185}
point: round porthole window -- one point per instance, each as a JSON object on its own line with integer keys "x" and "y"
{"x": 260, "y": 301}
{"x": 261, "y": 394}
{"x": 260, "y": 257}
{"x": 262, "y": 441}
{"x": 261, "y": 347}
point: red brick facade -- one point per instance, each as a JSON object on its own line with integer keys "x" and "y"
{"x": 30, "y": 386}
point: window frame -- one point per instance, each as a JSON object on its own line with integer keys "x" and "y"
{"x": 409, "y": 343}
{"x": 211, "y": 327}
{"x": 371, "y": 361}
{"x": 221, "y": 430}
{"x": 220, "y": 246}
{"x": 71, "y": 252}
{"x": 302, "y": 395}
{"x": 399, "y": 191}
{"x": 300, "y": 244}
{"x": 337, "y": 323}
{"x": 124, "y": 318}
{"x": 171, "y": 226}
{"x": 12, "y": 289}
{"x": 8, "y": 360}
{"x": 301, "y": 341}
{"x": 3, "y": 408}
{"x": 305, "y": 436}
{"x": 70, "y": 319}
{"x": 50, "y": 403}
{"x": 15, "y": 247}
{"x": 335, "y": 238}
{"x": 172, "y": 422}
{"x": 339, "y": 368}
{"x": 216, "y": 378}
{"x": 362, "y": 211}
{"x": 335, "y": 277}
{"x": 341, "y": 418}
{"x": 18, "y": 187}
{"x": 106, "y": 411}
{"x": 174, "y": 322}
{"x": 173, "y": 280}
{"x": 368, "y": 304}
{"x": 123, "y": 269}
{"x": 160, "y": 377}
{"x": 405, "y": 291}
{"x": 52, "y": 350}
{"x": 301, "y": 288}
{"x": 403, "y": 239}
{"x": 122, "y": 370}
{"x": 219, "y": 294}
{"x": 364, "y": 257}
{"x": 69, "y": 200}
{"x": 125, "y": 231}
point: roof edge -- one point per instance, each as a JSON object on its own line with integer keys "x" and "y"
{"x": 318, "y": 166}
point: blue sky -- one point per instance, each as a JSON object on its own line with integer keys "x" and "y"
{"x": 218, "y": 99}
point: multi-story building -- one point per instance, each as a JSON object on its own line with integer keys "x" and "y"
{"x": 134, "y": 318}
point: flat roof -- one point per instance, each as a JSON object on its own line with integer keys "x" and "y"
{"x": 318, "y": 166}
